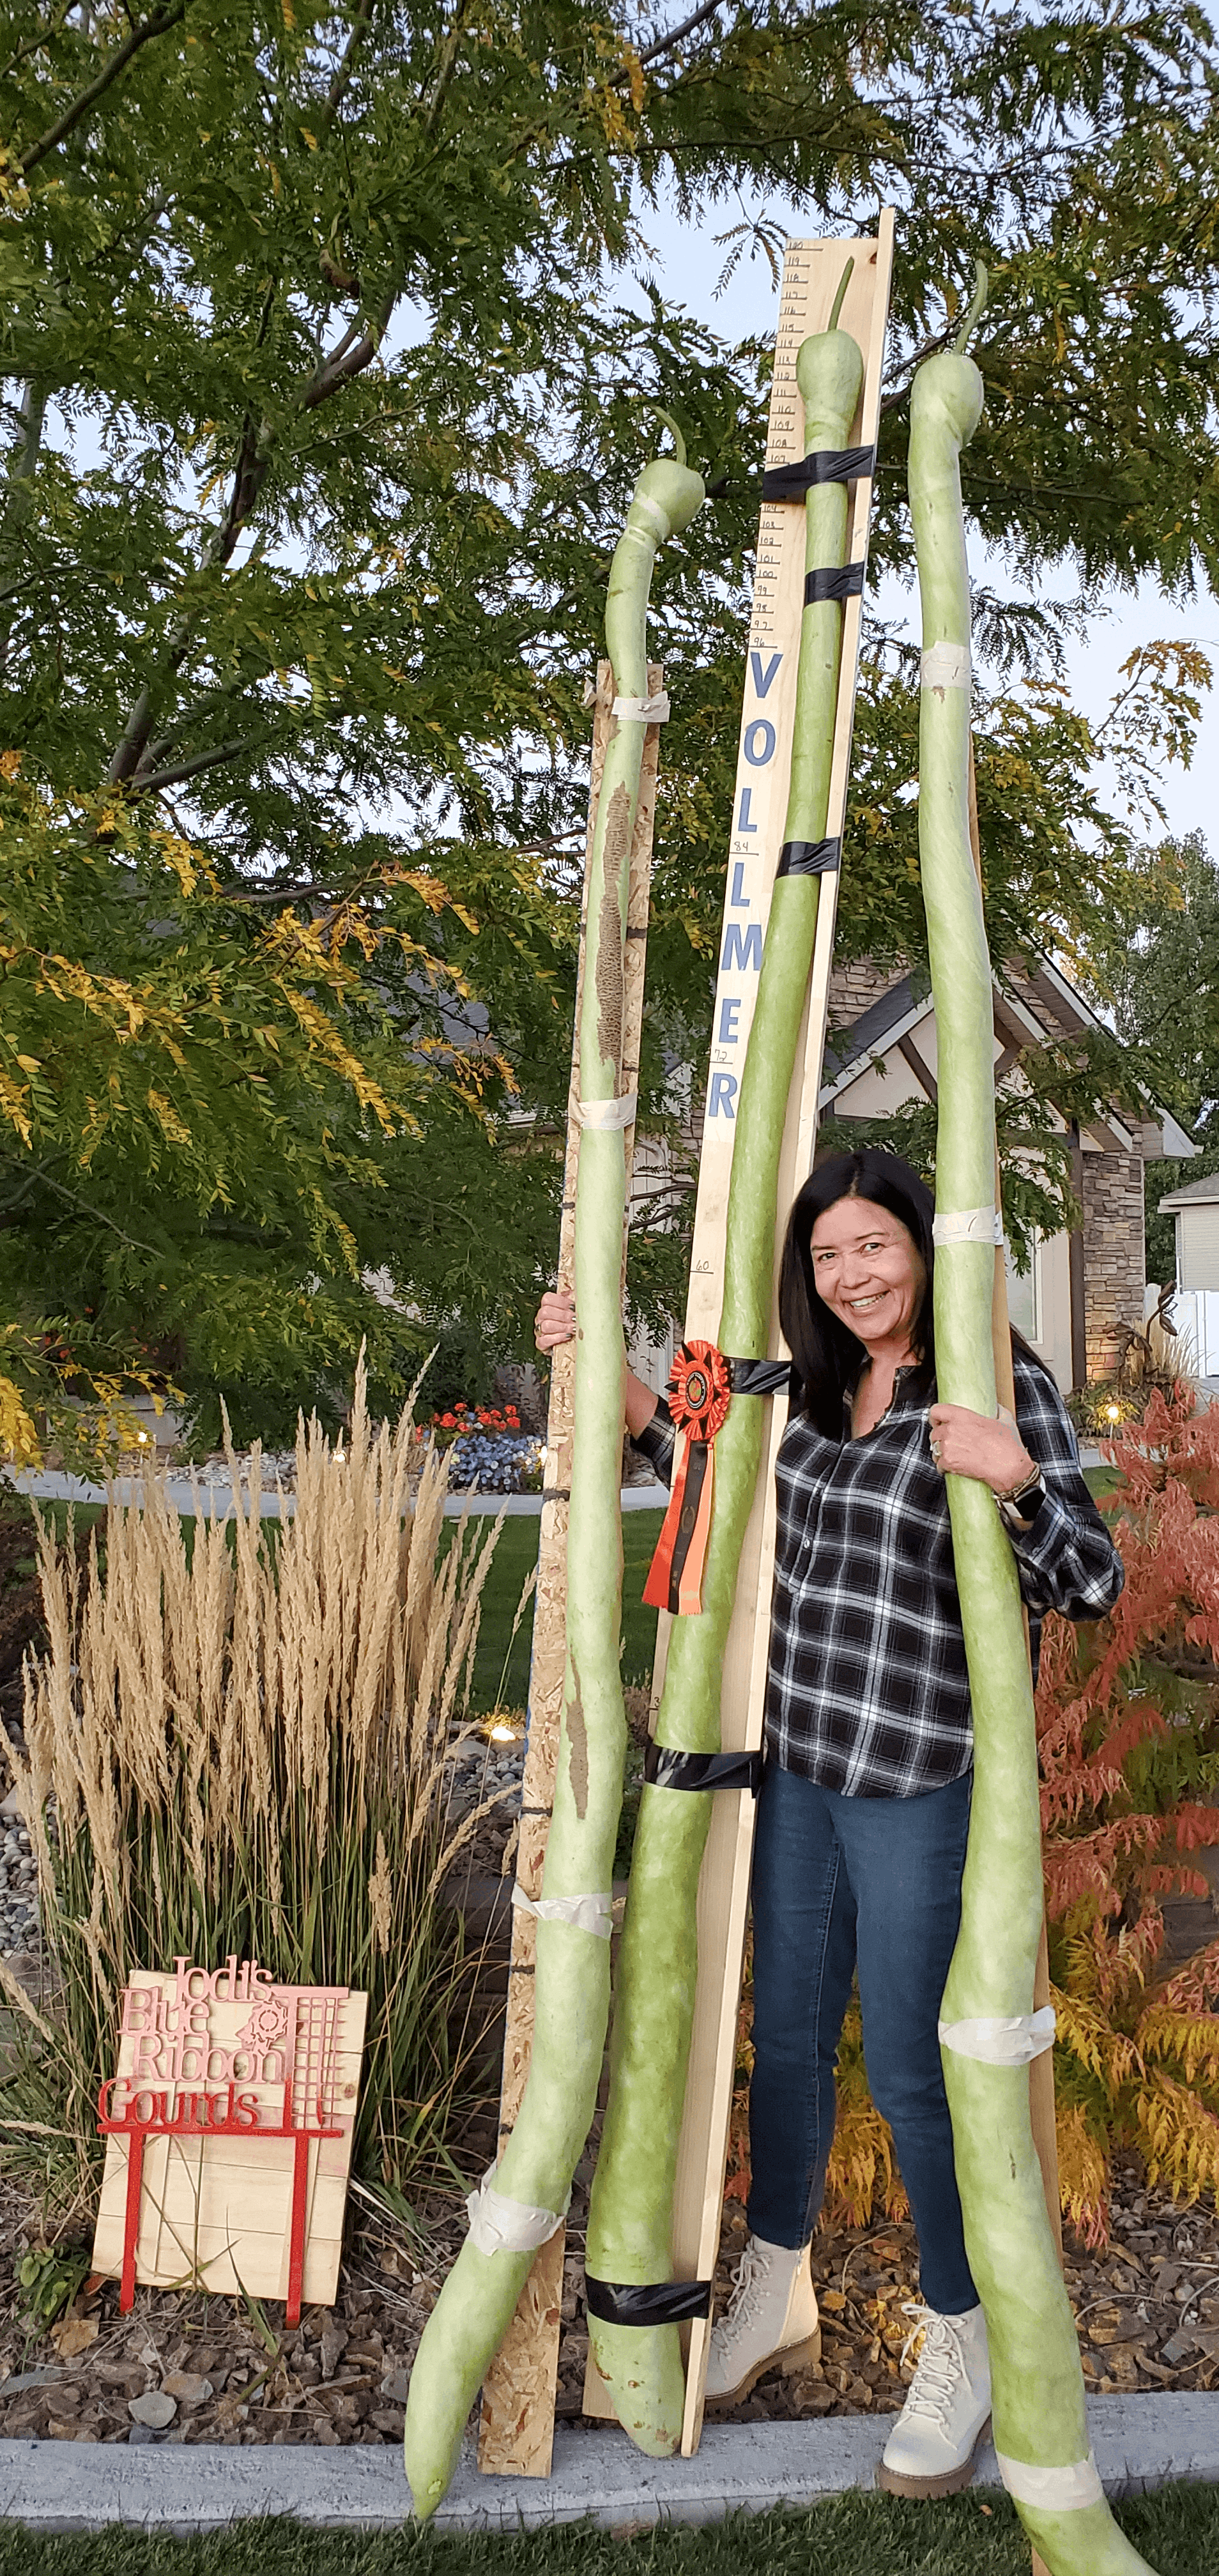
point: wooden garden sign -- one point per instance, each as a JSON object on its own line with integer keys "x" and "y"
{"x": 228, "y": 2123}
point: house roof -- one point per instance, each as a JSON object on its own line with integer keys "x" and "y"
{"x": 1195, "y": 1193}
{"x": 889, "y": 1021}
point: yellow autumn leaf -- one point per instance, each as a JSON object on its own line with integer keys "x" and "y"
{"x": 14, "y": 1097}
{"x": 18, "y": 1438}
{"x": 167, "y": 1118}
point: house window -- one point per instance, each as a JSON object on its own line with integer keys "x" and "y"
{"x": 1024, "y": 1294}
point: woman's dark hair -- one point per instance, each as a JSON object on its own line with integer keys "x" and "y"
{"x": 826, "y": 1357}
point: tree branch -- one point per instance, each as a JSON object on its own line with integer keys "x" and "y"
{"x": 36, "y": 43}
{"x": 99, "y": 1215}
{"x": 665, "y": 44}
{"x": 347, "y": 63}
{"x": 142, "y": 786}
{"x": 158, "y": 25}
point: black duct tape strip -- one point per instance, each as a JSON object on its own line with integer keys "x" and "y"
{"x": 809, "y": 858}
{"x": 825, "y": 465}
{"x": 833, "y": 581}
{"x": 667, "y": 1769}
{"x": 664, "y": 2303}
{"x": 759, "y": 1377}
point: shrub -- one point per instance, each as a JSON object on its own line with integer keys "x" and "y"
{"x": 1128, "y": 1721}
{"x": 242, "y": 1744}
{"x": 1128, "y": 1726}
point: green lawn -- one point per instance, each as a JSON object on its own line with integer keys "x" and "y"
{"x": 501, "y": 1668}
{"x": 856, "y": 2535}
{"x": 516, "y": 1554}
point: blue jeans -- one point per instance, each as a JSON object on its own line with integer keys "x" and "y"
{"x": 840, "y": 1882}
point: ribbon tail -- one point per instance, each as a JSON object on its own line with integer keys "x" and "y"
{"x": 676, "y": 1574}
{"x": 658, "y": 1591}
{"x": 690, "y": 1578}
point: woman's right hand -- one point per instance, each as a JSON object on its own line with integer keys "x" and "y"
{"x": 555, "y": 1320}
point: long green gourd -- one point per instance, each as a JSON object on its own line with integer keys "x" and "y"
{"x": 631, "y": 2211}
{"x": 571, "y": 2008}
{"x": 1040, "y": 2426}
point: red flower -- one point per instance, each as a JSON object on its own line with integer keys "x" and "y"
{"x": 448, "y": 1422}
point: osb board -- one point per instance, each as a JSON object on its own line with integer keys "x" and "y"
{"x": 517, "y": 2425}
{"x": 215, "y": 2208}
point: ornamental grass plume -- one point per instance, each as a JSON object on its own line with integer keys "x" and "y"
{"x": 239, "y": 1739}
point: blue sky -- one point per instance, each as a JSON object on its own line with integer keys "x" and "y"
{"x": 687, "y": 266}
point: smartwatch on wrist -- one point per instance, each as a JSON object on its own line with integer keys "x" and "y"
{"x": 1023, "y": 1505}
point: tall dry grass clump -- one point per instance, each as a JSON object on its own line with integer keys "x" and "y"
{"x": 237, "y": 1741}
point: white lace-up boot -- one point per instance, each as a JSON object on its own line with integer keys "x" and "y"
{"x": 770, "y": 2322}
{"x": 930, "y": 2451}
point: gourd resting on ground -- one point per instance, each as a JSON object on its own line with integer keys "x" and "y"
{"x": 1039, "y": 2419}
{"x": 631, "y": 2212}
{"x": 532, "y": 2182}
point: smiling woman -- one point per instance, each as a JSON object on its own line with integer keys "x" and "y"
{"x": 864, "y": 1807}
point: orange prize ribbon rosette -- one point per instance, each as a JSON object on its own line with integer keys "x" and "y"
{"x": 699, "y": 1392}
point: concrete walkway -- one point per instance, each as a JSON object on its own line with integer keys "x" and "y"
{"x": 1140, "y": 2443}
{"x": 217, "y": 1493}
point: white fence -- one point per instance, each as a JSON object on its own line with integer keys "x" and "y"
{"x": 1195, "y": 1313}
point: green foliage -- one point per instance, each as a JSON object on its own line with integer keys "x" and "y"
{"x": 321, "y": 408}
{"x": 977, "y": 2534}
{"x": 48, "y": 2278}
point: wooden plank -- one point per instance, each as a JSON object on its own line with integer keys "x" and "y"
{"x": 517, "y": 2424}
{"x": 811, "y": 274}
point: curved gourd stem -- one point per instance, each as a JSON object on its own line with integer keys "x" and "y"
{"x": 571, "y": 2007}
{"x": 631, "y": 2211}
{"x": 1039, "y": 2415}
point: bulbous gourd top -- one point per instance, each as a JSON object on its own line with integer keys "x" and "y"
{"x": 949, "y": 393}
{"x": 675, "y": 489}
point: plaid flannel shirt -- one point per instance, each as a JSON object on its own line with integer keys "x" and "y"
{"x": 868, "y": 1691}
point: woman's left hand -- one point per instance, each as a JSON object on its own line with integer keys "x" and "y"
{"x": 973, "y": 1444}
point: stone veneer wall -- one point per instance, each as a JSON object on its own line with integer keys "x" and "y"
{"x": 1114, "y": 1256}
{"x": 853, "y": 989}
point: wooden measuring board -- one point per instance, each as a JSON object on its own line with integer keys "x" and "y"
{"x": 517, "y": 2429}
{"x": 811, "y": 274}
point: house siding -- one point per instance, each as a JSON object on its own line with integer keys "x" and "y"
{"x": 1198, "y": 1245}
{"x": 1113, "y": 1236}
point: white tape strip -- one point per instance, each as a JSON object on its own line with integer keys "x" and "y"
{"x": 651, "y": 510}
{"x": 968, "y": 1225}
{"x": 1069, "y": 2490}
{"x": 502, "y": 2226}
{"x": 1001, "y": 2043}
{"x": 588, "y": 1913}
{"x": 653, "y": 710}
{"x": 602, "y": 1116}
{"x": 946, "y": 666}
